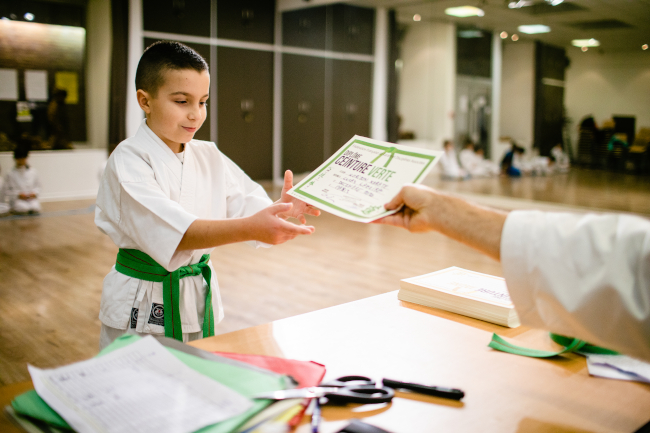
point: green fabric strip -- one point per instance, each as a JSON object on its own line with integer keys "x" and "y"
{"x": 137, "y": 264}
{"x": 570, "y": 345}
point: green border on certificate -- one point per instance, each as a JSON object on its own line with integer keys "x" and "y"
{"x": 299, "y": 190}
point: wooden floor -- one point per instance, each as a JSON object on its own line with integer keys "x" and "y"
{"x": 52, "y": 266}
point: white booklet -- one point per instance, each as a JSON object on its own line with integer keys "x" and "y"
{"x": 362, "y": 176}
{"x": 139, "y": 388}
{"x": 462, "y": 291}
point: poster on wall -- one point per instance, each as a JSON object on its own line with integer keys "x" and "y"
{"x": 68, "y": 81}
{"x": 8, "y": 84}
{"x": 36, "y": 85}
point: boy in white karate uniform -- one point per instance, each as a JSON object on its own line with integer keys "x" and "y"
{"x": 167, "y": 201}
{"x": 22, "y": 185}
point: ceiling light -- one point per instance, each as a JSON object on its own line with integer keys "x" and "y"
{"x": 417, "y": 17}
{"x": 504, "y": 35}
{"x": 470, "y": 34}
{"x": 465, "y": 11}
{"x": 585, "y": 43}
{"x": 28, "y": 16}
{"x": 534, "y": 29}
{"x": 520, "y": 4}
{"x": 515, "y": 37}
{"x": 644, "y": 47}
{"x": 584, "y": 49}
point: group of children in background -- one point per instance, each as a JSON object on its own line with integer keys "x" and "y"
{"x": 20, "y": 189}
{"x": 471, "y": 162}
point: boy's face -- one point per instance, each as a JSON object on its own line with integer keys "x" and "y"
{"x": 21, "y": 162}
{"x": 179, "y": 109}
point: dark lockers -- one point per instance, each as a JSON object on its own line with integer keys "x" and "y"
{"x": 303, "y": 112}
{"x": 325, "y": 100}
{"x": 245, "y": 113}
{"x": 550, "y": 65}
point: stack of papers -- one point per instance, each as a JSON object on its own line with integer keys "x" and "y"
{"x": 136, "y": 384}
{"x": 460, "y": 291}
{"x": 141, "y": 387}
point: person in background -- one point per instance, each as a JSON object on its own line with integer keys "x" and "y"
{"x": 4, "y": 207}
{"x": 585, "y": 276}
{"x": 561, "y": 159}
{"x": 508, "y": 162}
{"x": 22, "y": 185}
{"x": 468, "y": 160}
{"x": 57, "y": 119}
{"x": 490, "y": 167}
{"x": 474, "y": 163}
{"x": 449, "y": 163}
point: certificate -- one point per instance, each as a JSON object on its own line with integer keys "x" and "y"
{"x": 362, "y": 176}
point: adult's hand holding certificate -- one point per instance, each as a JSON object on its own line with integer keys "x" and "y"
{"x": 362, "y": 176}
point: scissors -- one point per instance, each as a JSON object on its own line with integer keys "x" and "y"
{"x": 346, "y": 389}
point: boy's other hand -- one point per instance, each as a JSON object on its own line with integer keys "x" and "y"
{"x": 269, "y": 227}
{"x": 299, "y": 208}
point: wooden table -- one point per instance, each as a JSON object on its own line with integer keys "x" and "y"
{"x": 384, "y": 337}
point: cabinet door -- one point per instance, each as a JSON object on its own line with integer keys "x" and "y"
{"x": 302, "y": 112}
{"x": 204, "y": 51}
{"x": 245, "y": 98}
{"x": 305, "y": 28}
{"x": 350, "y": 101}
{"x": 173, "y": 16}
{"x": 353, "y": 29}
{"x": 246, "y": 20}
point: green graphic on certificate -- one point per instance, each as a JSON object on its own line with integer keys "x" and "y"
{"x": 362, "y": 176}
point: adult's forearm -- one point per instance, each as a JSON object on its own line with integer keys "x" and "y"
{"x": 468, "y": 223}
{"x": 203, "y": 233}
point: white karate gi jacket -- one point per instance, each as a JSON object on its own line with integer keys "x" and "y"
{"x": 23, "y": 180}
{"x": 584, "y": 276}
{"x": 147, "y": 200}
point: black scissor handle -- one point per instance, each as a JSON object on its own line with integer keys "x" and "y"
{"x": 345, "y": 381}
{"x": 361, "y": 394}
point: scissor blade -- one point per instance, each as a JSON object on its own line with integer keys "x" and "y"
{"x": 312, "y": 392}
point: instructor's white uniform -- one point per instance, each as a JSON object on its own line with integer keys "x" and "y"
{"x": 584, "y": 276}
{"x": 147, "y": 200}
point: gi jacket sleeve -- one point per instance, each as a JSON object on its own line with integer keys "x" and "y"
{"x": 585, "y": 276}
{"x": 244, "y": 197}
{"x": 141, "y": 212}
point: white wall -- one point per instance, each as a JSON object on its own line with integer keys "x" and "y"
{"x": 607, "y": 84}
{"x": 428, "y": 81}
{"x": 98, "y": 72}
{"x": 518, "y": 93}
{"x": 64, "y": 174}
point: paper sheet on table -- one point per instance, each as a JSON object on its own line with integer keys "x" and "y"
{"x": 362, "y": 176}
{"x": 619, "y": 367}
{"x": 141, "y": 387}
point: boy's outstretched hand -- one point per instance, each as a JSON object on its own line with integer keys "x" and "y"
{"x": 268, "y": 228}
{"x": 299, "y": 208}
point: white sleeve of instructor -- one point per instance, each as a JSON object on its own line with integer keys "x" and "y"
{"x": 584, "y": 276}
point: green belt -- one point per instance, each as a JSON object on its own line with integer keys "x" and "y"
{"x": 570, "y": 345}
{"x": 137, "y": 264}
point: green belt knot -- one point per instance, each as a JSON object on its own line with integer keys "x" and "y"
{"x": 136, "y": 264}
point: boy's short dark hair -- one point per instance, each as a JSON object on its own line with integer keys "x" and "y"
{"x": 21, "y": 152}
{"x": 162, "y": 56}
